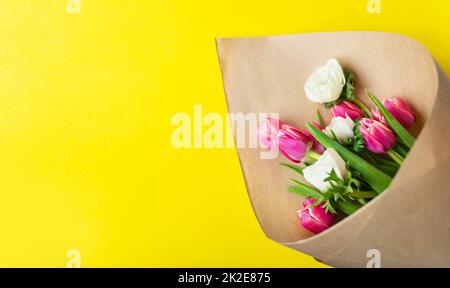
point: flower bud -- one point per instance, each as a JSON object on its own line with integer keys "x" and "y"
{"x": 269, "y": 130}
{"x": 342, "y": 127}
{"x": 401, "y": 111}
{"x": 376, "y": 114}
{"x": 346, "y": 108}
{"x": 291, "y": 142}
{"x": 305, "y": 135}
{"x": 379, "y": 137}
{"x": 315, "y": 219}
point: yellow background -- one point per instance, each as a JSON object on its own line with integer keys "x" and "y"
{"x": 85, "y": 107}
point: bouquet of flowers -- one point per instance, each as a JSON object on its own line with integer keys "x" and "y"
{"x": 361, "y": 184}
{"x": 348, "y": 161}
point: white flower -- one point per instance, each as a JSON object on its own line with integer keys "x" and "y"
{"x": 325, "y": 83}
{"x": 316, "y": 173}
{"x": 342, "y": 128}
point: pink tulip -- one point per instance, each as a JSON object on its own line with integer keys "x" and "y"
{"x": 291, "y": 142}
{"x": 401, "y": 111}
{"x": 305, "y": 135}
{"x": 269, "y": 130}
{"x": 272, "y": 136}
{"x": 376, "y": 114}
{"x": 346, "y": 108}
{"x": 315, "y": 219}
{"x": 378, "y": 136}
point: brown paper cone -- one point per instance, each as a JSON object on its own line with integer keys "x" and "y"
{"x": 409, "y": 223}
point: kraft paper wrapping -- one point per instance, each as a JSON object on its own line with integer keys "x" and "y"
{"x": 409, "y": 222}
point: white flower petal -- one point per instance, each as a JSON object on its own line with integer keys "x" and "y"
{"x": 326, "y": 83}
{"x": 342, "y": 128}
{"x": 316, "y": 173}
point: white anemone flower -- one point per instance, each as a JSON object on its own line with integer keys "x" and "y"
{"x": 316, "y": 173}
{"x": 341, "y": 127}
{"x": 326, "y": 83}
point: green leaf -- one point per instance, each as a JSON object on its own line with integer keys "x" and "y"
{"x": 369, "y": 157}
{"x": 320, "y": 119}
{"x": 303, "y": 190}
{"x": 349, "y": 88}
{"x": 401, "y": 150}
{"x": 357, "y": 143}
{"x": 348, "y": 207}
{"x": 329, "y": 207}
{"x": 333, "y": 135}
{"x": 376, "y": 178}
{"x": 333, "y": 177}
{"x": 390, "y": 170}
{"x": 364, "y": 194}
{"x": 348, "y": 91}
{"x": 293, "y": 167}
{"x": 380, "y": 160}
{"x": 398, "y": 129}
{"x": 387, "y": 166}
{"x": 331, "y": 104}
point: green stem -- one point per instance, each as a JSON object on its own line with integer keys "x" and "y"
{"x": 369, "y": 157}
{"x": 401, "y": 150}
{"x": 303, "y": 190}
{"x": 385, "y": 161}
{"x": 362, "y": 201}
{"x": 363, "y": 107}
{"x": 320, "y": 119}
{"x": 390, "y": 170}
{"x": 395, "y": 156}
{"x": 389, "y": 167}
{"x": 364, "y": 194}
{"x": 313, "y": 155}
{"x": 398, "y": 151}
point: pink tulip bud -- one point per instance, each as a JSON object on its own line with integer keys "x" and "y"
{"x": 401, "y": 111}
{"x": 376, "y": 114}
{"x": 346, "y": 108}
{"x": 293, "y": 146}
{"x": 270, "y": 129}
{"x": 315, "y": 219}
{"x": 378, "y": 136}
{"x": 305, "y": 135}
